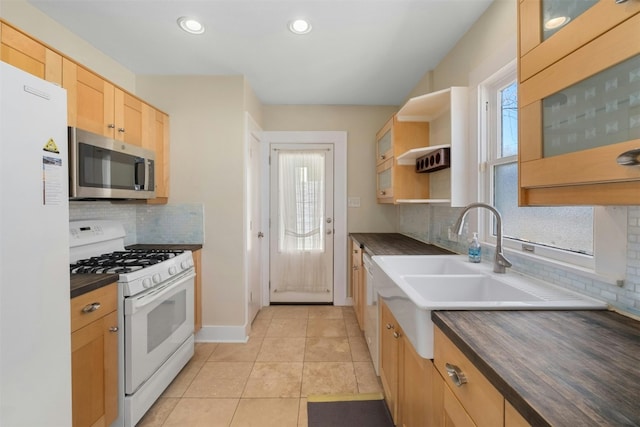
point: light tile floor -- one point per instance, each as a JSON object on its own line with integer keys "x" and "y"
{"x": 292, "y": 352}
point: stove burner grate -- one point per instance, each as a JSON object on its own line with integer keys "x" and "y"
{"x": 121, "y": 262}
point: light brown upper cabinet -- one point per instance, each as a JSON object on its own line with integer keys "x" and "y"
{"x": 96, "y": 105}
{"x": 397, "y": 182}
{"x": 579, "y": 104}
{"x": 156, "y": 138}
{"x": 29, "y": 55}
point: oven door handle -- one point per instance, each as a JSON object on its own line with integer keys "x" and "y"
{"x": 135, "y": 303}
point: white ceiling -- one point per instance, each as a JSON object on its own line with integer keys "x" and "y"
{"x": 360, "y": 52}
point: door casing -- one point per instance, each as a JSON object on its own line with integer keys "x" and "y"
{"x": 339, "y": 141}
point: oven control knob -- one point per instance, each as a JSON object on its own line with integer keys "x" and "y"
{"x": 146, "y": 283}
{"x": 173, "y": 270}
{"x": 184, "y": 265}
{"x": 156, "y": 278}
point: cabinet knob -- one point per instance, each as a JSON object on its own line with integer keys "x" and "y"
{"x": 113, "y": 329}
{"x": 111, "y": 126}
{"x": 389, "y": 326}
{"x": 383, "y": 157}
{"x": 396, "y": 335}
{"x": 90, "y": 308}
{"x": 121, "y": 130}
{"x": 629, "y": 158}
{"x": 383, "y": 192}
{"x": 456, "y": 375}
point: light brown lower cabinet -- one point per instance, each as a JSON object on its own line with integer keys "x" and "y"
{"x": 357, "y": 282}
{"x": 420, "y": 392}
{"x": 406, "y": 377}
{"x": 94, "y": 357}
{"x": 469, "y": 399}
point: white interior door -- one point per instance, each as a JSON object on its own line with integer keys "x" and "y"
{"x": 254, "y": 231}
{"x": 302, "y": 223}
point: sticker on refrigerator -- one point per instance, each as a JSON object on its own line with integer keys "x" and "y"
{"x": 52, "y": 181}
{"x": 51, "y": 146}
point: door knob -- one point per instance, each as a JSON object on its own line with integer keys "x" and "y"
{"x": 329, "y": 220}
{"x": 260, "y": 234}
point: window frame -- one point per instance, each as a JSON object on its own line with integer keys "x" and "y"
{"x": 610, "y": 223}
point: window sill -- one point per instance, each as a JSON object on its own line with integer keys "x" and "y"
{"x": 585, "y": 272}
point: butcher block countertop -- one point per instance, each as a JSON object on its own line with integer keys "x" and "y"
{"x": 395, "y": 244}
{"x": 557, "y": 368}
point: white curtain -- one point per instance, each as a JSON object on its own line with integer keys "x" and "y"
{"x": 301, "y": 206}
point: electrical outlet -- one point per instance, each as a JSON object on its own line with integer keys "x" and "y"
{"x": 353, "y": 202}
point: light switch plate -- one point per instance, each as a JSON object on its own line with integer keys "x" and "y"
{"x": 353, "y": 202}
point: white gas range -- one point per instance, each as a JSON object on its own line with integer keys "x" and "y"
{"x": 155, "y": 311}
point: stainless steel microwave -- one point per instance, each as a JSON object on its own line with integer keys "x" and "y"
{"x": 103, "y": 168}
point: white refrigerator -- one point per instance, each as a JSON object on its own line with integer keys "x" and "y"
{"x": 35, "y": 343}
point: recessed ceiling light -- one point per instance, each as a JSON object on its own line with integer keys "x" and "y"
{"x": 299, "y": 26}
{"x": 557, "y": 22}
{"x": 190, "y": 25}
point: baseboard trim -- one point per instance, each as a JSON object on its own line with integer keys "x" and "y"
{"x": 234, "y": 334}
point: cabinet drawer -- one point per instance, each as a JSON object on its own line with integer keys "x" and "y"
{"x": 85, "y": 309}
{"x": 483, "y": 403}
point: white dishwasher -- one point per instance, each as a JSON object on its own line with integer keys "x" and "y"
{"x": 371, "y": 332}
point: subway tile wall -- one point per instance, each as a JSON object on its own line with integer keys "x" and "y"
{"x": 412, "y": 220}
{"x": 161, "y": 224}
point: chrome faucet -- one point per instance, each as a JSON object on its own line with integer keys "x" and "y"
{"x": 500, "y": 263}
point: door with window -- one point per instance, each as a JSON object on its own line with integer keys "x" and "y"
{"x": 301, "y": 232}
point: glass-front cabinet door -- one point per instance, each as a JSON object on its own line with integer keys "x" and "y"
{"x": 384, "y": 178}
{"x": 552, "y": 29}
{"x": 580, "y": 121}
{"x": 384, "y": 143}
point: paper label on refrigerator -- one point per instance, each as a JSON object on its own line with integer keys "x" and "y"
{"x": 52, "y": 181}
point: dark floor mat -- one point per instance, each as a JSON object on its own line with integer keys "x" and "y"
{"x": 352, "y": 413}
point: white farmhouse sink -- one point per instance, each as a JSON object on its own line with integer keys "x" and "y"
{"x": 427, "y": 264}
{"x": 465, "y": 291}
{"x": 412, "y": 286}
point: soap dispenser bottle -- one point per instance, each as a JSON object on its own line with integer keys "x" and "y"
{"x": 474, "y": 249}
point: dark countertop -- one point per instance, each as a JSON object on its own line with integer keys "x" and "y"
{"x": 175, "y": 246}
{"x": 557, "y": 368}
{"x": 395, "y": 244}
{"x": 83, "y": 283}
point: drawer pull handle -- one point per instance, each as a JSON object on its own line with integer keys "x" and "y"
{"x": 629, "y": 158}
{"x": 621, "y": 1}
{"x": 90, "y": 308}
{"x": 456, "y": 375}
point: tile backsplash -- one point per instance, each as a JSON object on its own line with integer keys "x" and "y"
{"x": 161, "y": 224}
{"x": 430, "y": 223}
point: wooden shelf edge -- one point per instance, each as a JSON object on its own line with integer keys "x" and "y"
{"x": 409, "y": 157}
{"x": 428, "y": 107}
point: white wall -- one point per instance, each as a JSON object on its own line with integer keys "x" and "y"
{"x": 207, "y": 166}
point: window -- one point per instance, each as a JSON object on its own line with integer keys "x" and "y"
{"x": 564, "y": 234}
